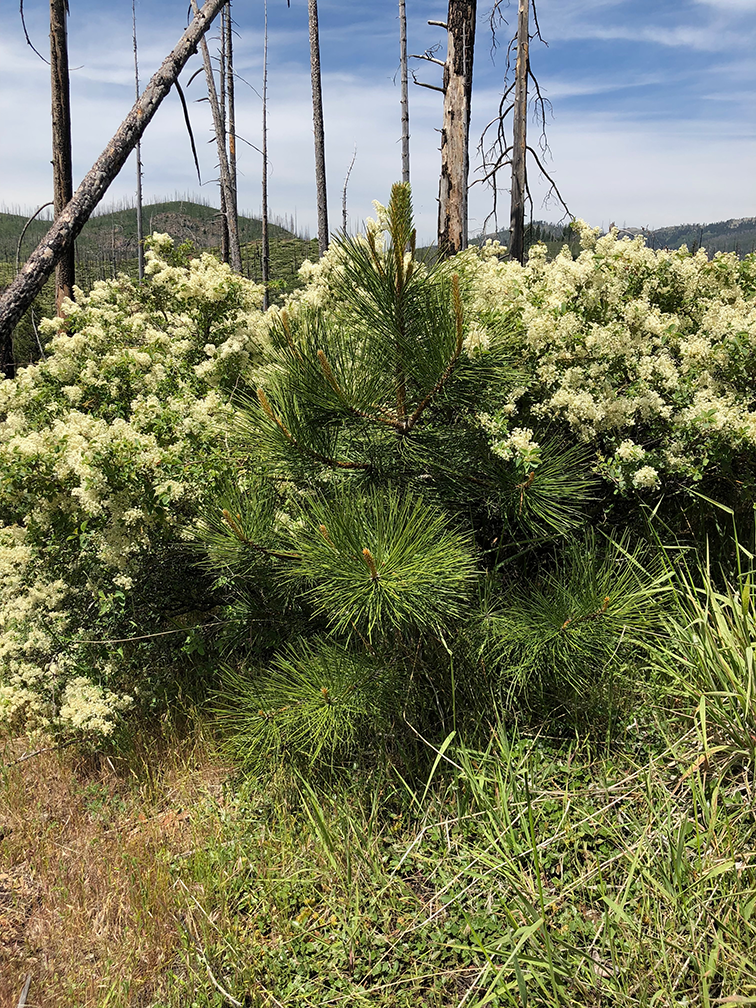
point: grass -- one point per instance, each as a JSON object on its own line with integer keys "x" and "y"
{"x": 527, "y": 873}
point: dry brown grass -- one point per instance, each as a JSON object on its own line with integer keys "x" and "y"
{"x": 86, "y": 900}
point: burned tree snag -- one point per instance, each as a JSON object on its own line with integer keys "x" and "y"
{"x": 318, "y": 128}
{"x": 228, "y": 199}
{"x": 265, "y": 238}
{"x": 404, "y": 93}
{"x": 455, "y": 131}
{"x": 519, "y": 136}
{"x": 61, "y": 140}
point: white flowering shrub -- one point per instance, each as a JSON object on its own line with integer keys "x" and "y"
{"x": 106, "y": 448}
{"x": 377, "y": 470}
{"x": 646, "y": 356}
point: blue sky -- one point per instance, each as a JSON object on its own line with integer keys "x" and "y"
{"x": 654, "y": 105}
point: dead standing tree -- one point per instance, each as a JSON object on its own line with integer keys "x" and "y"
{"x": 139, "y": 214}
{"x": 228, "y": 194}
{"x": 455, "y": 130}
{"x": 62, "y": 160}
{"x": 501, "y": 152}
{"x": 265, "y": 237}
{"x": 404, "y": 101}
{"x": 68, "y": 225}
{"x": 318, "y": 128}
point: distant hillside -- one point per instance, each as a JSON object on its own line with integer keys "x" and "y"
{"x": 107, "y": 246}
{"x": 113, "y": 235}
{"x": 737, "y": 235}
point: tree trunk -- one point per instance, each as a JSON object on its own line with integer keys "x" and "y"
{"x": 317, "y": 123}
{"x": 519, "y": 136}
{"x": 224, "y": 245}
{"x": 404, "y": 91}
{"x": 455, "y": 131}
{"x": 61, "y": 140}
{"x": 139, "y": 218}
{"x": 265, "y": 245}
{"x": 67, "y": 227}
{"x": 227, "y": 202}
{"x": 231, "y": 119}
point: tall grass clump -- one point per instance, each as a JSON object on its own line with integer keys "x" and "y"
{"x": 708, "y": 662}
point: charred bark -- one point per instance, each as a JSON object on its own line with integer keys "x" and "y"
{"x": 455, "y": 131}
{"x": 404, "y": 92}
{"x": 61, "y": 140}
{"x": 318, "y": 128}
{"x": 519, "y": 136}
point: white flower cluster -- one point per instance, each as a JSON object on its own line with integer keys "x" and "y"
{"x": 105, "y": 448}
{"x": 90, "y": 707}
{"x": 642, "y": 352}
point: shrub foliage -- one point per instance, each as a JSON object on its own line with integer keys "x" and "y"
{"x": 382, "y": 497}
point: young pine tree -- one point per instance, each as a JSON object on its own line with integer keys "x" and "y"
{"x": 377, "y": 496}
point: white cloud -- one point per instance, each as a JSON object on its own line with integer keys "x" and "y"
{"x": 732, "y": 5}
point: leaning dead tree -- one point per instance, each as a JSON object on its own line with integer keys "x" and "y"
{"x": 228, "y": 194}
{"x": 62, "y": 160}
{"x": 72, "y": 219}
{"x": 455, "y": 130}
{"x": 502, "y": 153}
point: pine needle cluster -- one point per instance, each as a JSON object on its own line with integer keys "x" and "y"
{"x": 379, "y": 497}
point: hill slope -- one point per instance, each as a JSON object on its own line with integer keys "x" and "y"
{"x": 114, "y": 234}
{"x": 735, "y": 235}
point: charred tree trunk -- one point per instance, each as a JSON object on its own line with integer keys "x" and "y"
{"x": 231, "y": 120}
{"x": 72, "y": 219}
{"x": 61, "y": 140}
{"x": 227, "y": 200}
{"x": 317, "y": 123}
{"x": 139, "y": 218}
{"x": 455, "y": 131}
{"x": 519, "y": 136}
{"x": 404, "y": 92}
{"x": 225, "y": 247}
{"x": 265, "y": 243}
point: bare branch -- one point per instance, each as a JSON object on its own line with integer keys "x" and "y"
{"x": 188, "y": 122}
{"x": 430, "y": 59}
{"x": 26, "y": 33}
{"x": 23, "y": 232}
{"x": 344, "y": 219}
{"x": 431, "y": 87}
{"x": 552, "y": 183}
